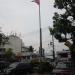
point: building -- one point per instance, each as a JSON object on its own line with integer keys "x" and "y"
{"x": 63, "y": 55}
{"x": 27, "y": 55}
{"x": 17, "y": 46}
{"x": 15, "y": 43}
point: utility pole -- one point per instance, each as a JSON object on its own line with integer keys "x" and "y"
{"x": 21, "y": 45}
{"x": 53, "y": 48}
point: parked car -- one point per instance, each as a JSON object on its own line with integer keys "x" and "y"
{"x": 63, "y": 68}
{"x": 19, "y": 68}
{"x": 3, "y": 65}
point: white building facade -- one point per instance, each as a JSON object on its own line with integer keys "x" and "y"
{"x": 15, "y": 43}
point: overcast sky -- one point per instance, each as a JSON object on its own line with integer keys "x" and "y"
{"x": 21, "y": 17}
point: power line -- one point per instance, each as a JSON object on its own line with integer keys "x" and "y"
{"x": 35, "y": 32}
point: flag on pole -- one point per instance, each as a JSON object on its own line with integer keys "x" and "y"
{"x": 36, "y": 1}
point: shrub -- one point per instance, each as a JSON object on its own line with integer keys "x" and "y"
{"x": 45, "y": 67}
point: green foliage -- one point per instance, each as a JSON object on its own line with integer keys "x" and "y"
{"x": 31, "y": 49}
{"x": 51, "y": 31}
{"x": 9, "y": 52}
{"x": 68, "y": 5}
{"x": 45, "y": 67}
{"x": 10, "y": 56}
{"x": 3, "y": 39}
{"x": 62, "y": 23}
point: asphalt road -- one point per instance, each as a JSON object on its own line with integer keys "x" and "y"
{"x": 38, "y": 74}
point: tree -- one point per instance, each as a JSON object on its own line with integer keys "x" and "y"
{"x": 63, "y": 24}
{"x": 3, "y": 39}
{"x": 10, "y": 56}
{"x": 31, "y": 49}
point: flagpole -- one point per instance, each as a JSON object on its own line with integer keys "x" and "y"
{"x": 40, "y": 31}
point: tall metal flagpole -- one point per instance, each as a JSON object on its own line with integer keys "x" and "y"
{"x": 40, "y": 29}
{"x": 40, "y": 49}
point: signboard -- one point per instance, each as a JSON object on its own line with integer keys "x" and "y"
{"x": 68, "y": 44}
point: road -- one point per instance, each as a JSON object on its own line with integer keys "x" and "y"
{"x": 31, "y": 74}
{"x": 39, "y": 74}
